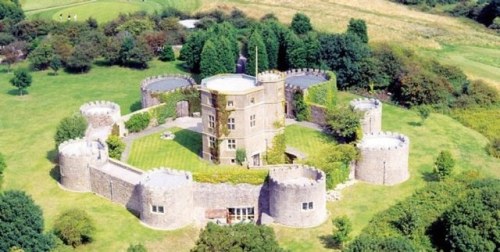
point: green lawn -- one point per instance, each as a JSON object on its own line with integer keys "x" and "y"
{"x": 183, "y": 153}
{"x": 306, "y": 140}
{"x": 102, "y": 10}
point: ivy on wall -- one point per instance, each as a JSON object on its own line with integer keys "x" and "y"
{"x": 323, "y": 94}
{"x": 170, "y": 100}
{"x": 302, "y": 110}
{"x": 221, "y": 116}
{"x": 276, "y": 154}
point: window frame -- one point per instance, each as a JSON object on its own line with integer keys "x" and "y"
{"x": 231, "y": 144}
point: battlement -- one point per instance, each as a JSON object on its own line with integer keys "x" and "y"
{"x": 270, "y": 76}
{"x": 80, "y": 148}
{"x": 306, "y": 71}
{"x": 365, "y": 104}
{"x": 296, "y": 176}
{"x": 99, "y": 108}
{"x": 145, "y": 84}
{"x": 166, "y": 179}
{"x": 383, "y": 141}
{"x": 300, "y": 79}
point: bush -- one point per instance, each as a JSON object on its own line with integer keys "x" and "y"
{"x": 74, "y": 227}
{"x": 3, "y": 165}
{"x": 21, "y": 80}
{"x": 344, "y": 123}
{"x": 70, "y": 128}
{"x": 276, "y": 154}
{"x": 301, "y": 108}
{"x": 493, "y": 147}
{"x": 116, "y": 146}
{"x": 444, "y": 165}
{"x": 136, "y": 248}
{"x": 138, "y": 122}
{"x": 424, "y": 112}
{"x": 167, "y": 54}
{"x": 241, "y": 156}
{"x": 342, "y": 229}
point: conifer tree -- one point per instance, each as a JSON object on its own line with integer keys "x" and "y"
{"x": 358, "y": 28}
{"x": 272, "y": 45}
{"x": 167, "y": 54}
{"x": 226, "y": 56}
{"x": 210, "y": 63}
{"x": 255, "y": 41}
{"x": 295, "y": 51}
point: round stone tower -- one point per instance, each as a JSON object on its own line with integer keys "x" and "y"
{"x": 297, "y": 196}
{"x": 166, "y": 199}
{"x": 101, "y": 113}
{"x": 384, "y": 158}
{"x": 153, "y": 86}
{"x": 75, "y": 158}
{"x": 274, "y": 92}
{"x": 372, "y": 118}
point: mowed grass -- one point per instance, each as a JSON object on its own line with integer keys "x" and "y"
{"x": 101, "y": 10}
{"x": 307, "y": 140}
{"x": 183, "y": 153}
{"x": 27, "y": 127}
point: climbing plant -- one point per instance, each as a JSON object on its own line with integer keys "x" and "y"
{"x": 301, "y": 109}
{"x": 170, "y": 100}
{"x": 276, "y": 154}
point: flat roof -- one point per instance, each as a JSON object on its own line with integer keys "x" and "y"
{"x": 229, "y": 82}
{"x": 167, "y": 84}
{"x": 305, "y": 81}
{"x": 162, "y": 178}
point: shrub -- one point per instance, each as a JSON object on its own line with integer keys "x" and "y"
{"x": 444, "y": 165}
{"x": 241, "y": 156}
{"x": 116, "y": 146}
{"x": 276, "y": 154}
{"x": 424, "y": 112}
{"x": 74, "y": 227}
{"x": 301, "y": 24}
{"x": 3, "y": 165}
{"x": 167, "y": 54}
{"x": 70, "y": 128}
{"x": 493, "y": 147}
{"x": 301, "y": 108}
{"x": 344, "y": 123}
{"x": 136, "y": 248}
{"x": 21, "y": 80}
{"x": 342, "y": 229}
{"x": 138, "y": 122}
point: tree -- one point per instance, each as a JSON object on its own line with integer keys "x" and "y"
{"x": 192, "y": 49}
{"x": 167, "y": 54}
{"x": 301, "y": 108}
{"x": 55, "y": 64}
{"x": 344, "y": 123}
{"x": 239, "y": 237}
{"x": 10, "y": 10}
{"x": 408, "y": 222}
{"x": 296, "y": 52}
{"x": 341, "y": 231}
{"x": 136, "y": 248}
{"x": 74, "y": 227}
{"x": 391, "y": 244}
{"x": 70, "y": 128}
{"x": 443, "y": 166}
{"x": 21, "y": 222}
{"x": 3, "y": 165}
{"x": 301, "y": 24}
{"x": 358, "y": 28}
{"x": 21, "y": 80}
{"x": 41, "y": 56}
{"x": 241, "y": 156}
{"x": 10, "y": 54}
{"x": 226, "y": 56}
{"x": 255, "y": 42}
{"x": 116, "y": 146}
{"x": 272, "y": 44}
{"x": 424, "y": 112}
{"x": 210, "y": 63}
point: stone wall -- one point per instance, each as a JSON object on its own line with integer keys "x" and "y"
{"x": 149, "y": 98}
{"x": 290, "y": 188}
{"x": 372, "y": 114}
{"x": 318, "y": 114}
{"x": 101, "y": 113}
{"x": 384, "y": 165}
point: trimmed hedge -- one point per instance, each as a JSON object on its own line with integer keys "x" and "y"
{"x": 138, "y": 122}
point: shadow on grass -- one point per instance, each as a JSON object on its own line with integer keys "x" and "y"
{"x": 328, "y": 242}
{"x": 52, "y": 156}
{"x": 136, "y": 106}
{"x": 429, "y": 176}
{"x": 415, "y": 124}
{"x": 55, "y": 173}
{"x": 190, "y": 140}
{"x": 15, "y": 92}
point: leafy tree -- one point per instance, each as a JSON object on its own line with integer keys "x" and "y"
{"x": 296, "y": 52}
{"x": 136, "y": 26}
{"x": 241, "y": 156}
{"x": 346, "y": 54}
{"x": 344, "y": 123}
{"x": 41, "y": 56}
{"x": 272, "y": 44}
{"x": 358, "y": 28}
{"x": 256, "y": 41}
{"x": 74, "y": 227}
{"x": 55, "y": 64}
{"x": 210, "y": 63}
{"x": 21, "y": 222}
{"x": 10, "y": 54}
{"x": 192, "y": 49}
{"x": 408, "y": 222}
{"x": 167, "y": 54}
{"x": 81, "y": 59}
{"x": 418, "y": 86}
{"x": 424, "y": 112}
{"x": 444, "y": 165}
{"x": 369, "y": 243}
{"x": 10, "y": 10}
{"x": 341, "y": 231}
{"x": 136, "y": 248}
{"x": 312, "y": 50}
{"x": 70, "y": 128}
{"x": 239, "y": 237}
{"x": 6, "y": 38}
{"x": 301, "y": 24}
{"x": 21, "y": 80}
{"x": 116, "y": 146}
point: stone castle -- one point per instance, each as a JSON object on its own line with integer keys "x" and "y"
{"x": 163, "y": 198}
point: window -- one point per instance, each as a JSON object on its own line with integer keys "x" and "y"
{"x": 252, "y": 121}
{"x": 211, "y": 142}
{"x": 231, "y": 144}
{"x": 211, "y": 121}
{"x": 241, "y": 213}
{"x": 252, "y": 100}
{"x": 233, "y": 161}
{"x": 157, "y": 209}
{"x": 230, "y": 123}
{"x": 307, "y": 206}
{"x": 230, "y": 103}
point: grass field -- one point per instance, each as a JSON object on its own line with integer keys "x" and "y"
{"x": 183, "y": 153}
